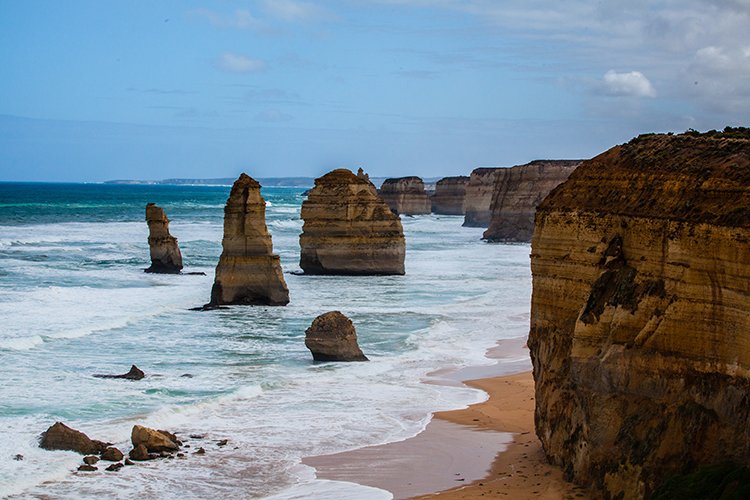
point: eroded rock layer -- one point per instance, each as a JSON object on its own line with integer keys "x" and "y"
{"x": 349, "y": 229}
{"x": 478, "y": 197}
{"x": 248, "y": 272}
{"x": 406, "y": 195}
{"x": 449, "y": 195}
{"x": 165, "y": 254}
{"x": 518, "y": 190}
{"x": 640, "y": 315}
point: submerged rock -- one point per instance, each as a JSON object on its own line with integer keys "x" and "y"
{"x": 135, "y": 373}
{"x": 87, "y": 468}
{"x": 153, "y": 440}
{"x": 112, "y": 454}
{"x": 406, "y": 195}
{"x": 139, "y": 453}
{"x": 349, "y": 230}
{"x": 61, "y": 437}
{"x": 332, "y": 337}
{"x": 449, "y": 195}
{"x": 165, "y": 254}
{"x": 248, "y": 273}
{"x": 90, "y": 460}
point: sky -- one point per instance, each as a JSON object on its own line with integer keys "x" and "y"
{"x": 92, "y": 90}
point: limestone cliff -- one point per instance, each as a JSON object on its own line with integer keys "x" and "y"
{"x": 449, "y": 195}
{"x": 640, "y": 314}
{"x": 518, "y": 190}
{"x": 248, "y": 272}
{"x": 478, "y": 198}
{"x": 349, "y": 229}
{"x": 406, "y": 195}
{"x": 165, "y": 254}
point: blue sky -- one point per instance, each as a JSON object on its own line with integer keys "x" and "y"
{"x": 94, "y": 90}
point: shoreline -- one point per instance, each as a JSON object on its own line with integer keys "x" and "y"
{"x": 487, "y": 449}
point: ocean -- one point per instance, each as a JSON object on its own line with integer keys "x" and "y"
{"x": 74, "y": 301}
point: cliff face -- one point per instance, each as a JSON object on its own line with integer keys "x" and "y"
{"x": 478, "y": 198}
{"x": 165, "y": 254}
{"x": 449, "y": 195}
{"x": 640, "y": 315}
{"x": 406, "y": 195}
{"x": 518, "y": 190}
{"x": 248, "y": 272}
{"x": 349, "y": 229}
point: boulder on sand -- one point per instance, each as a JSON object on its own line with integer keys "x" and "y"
{"x": 332, "y": 337}
{"x": 153, "y": 440}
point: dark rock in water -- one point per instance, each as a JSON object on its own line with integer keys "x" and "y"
{"x": 114, "y": 467}
{"x": 197, "y": 436}
{"x": 222, "y": 442}
{"x": 139, "y": 453}
{"x": 180, "y": 455}
{"x": 154, "y": 441}
{"x": 135, "y": 373}
{"x": 18, "y": 458}
{"x": 128, "y": 462}
{"x": 90, "y": 460}
{"x": 195, "y": 273}
{"x": 200, "y": 451}
{"x": 61, "y": 437}
{"x": 165, "y": 254}
{"x": 332, "y": 337}
{"x": 186, "y": 375}
{"x": 112, "y": 455}
{"x": 87, "y": 468}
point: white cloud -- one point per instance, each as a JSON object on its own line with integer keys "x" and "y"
{"x": 294, "y": 10}
{"x": 240, "y": 19}
{"x": 237, "y": 63}
{"x": 633, "y": 83}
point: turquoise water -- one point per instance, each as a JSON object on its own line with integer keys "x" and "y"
{"x": 74, "y": 302}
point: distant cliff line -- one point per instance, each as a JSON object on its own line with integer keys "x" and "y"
{"x": 300, "y": 182}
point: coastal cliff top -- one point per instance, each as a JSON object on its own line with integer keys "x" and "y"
{"x": 689, "y": 177}
{"x": 341, "y": 176}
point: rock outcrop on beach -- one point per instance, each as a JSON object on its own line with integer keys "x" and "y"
{"x": 406, "y": 195}
{"x": 165, "y": 254}
{"x": 640, "y": 314}
{"x": 61, "y": 437}
{"x": 518, "y": 191}
{"x": 332, "y": 337}
{"x": 248, "y": 272}
{"x": 349, "y": 230}
{"x": 449, "y": 195}
{"x": 154, "y": 441}
{"x": 478, "y": 197}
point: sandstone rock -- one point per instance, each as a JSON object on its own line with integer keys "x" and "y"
{"x": 165, "y": 254}
{"x": 114, "y": 467}
{"x": 518, "y": 190}
{"x": 640, "y": 314}
{"x": 248, "y": 272}
{"x": 87, "y": 468}
{"x": 478, "y": 197}
{"x": 332, "y": 337}
{"x": 135, "y": 373}
{"x": 406, "y": 195}
{"x": 139, "y": 453}
{"x": 90, "y": 460}
{"x": 128, "y": 461}
{"x": 61, "y": 437}
{"x": 349, "y": 229}
{"x": 112, "y": 454}
{"x": 153, "y": 440}
{"x": 449, "y": 195}
{"x": 200, "y": 451}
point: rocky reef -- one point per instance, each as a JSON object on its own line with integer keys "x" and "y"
{"x": 165, "y": 254}
{"x": 332, "y": 337}
{"x": 406, "y": 195}
{"x": 518, "y": 190}
{"x": 248, "y": 272}
{"x": 349, "y": 230}
{"x": 640, "y": 314}
{"x": 449, "y": 195}
{"x": 478, "y": 197}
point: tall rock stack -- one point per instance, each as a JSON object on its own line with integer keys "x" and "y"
{"x": 348, "y": 229}
{"x": 478, "y": 198}
{"x": 449, "y": 195}
{"x": 406, "y": 195}
{"x": 518, "y": 191}
{"x": 640, "y": 312}
{"x": 248, "y": 272}
{"x": 165, "y": 254}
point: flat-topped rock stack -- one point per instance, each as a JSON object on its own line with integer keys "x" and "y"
{"x": 449, "y": 195}
{"x": 518, "y": 191}
{"x": 165, "y": 254}
{"x": 406, "y": 195}
{"x": 248, "y": 271}
{"x": 640, "y": 312}
{"x": 349, "y": 230}
{"x": 478, "y": 197}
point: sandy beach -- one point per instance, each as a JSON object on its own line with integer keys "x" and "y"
{"x": 486, "y": 450}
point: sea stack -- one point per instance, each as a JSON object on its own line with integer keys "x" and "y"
{"x": 165, "y": 254}
{"x": 449, "y": 195}
{"x": 406, "y": 196}
{"x": 478, "y": 197}
{"x": 518, "y": 191}
{"x": 332, "y": 337}
{"x": 248, "y": 272}
{"x": 349, "y": 230}
{"x": 640, "y": 312}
